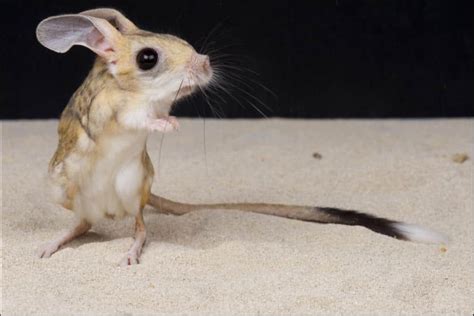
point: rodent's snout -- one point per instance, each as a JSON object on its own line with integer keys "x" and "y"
{"x": 202, "y": 65}
{"x": 206, "y": 64}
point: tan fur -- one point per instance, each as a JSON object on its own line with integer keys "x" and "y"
{"x": 101, "y": 167}
{"x": 307, "y": 213}
{"x": 92, "y": 110}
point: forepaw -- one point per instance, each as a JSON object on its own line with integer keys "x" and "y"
{"x": 164, "y": 125}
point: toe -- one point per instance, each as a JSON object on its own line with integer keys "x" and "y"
{"x": 129, "y": 260}
{"x": 47, "y": 250}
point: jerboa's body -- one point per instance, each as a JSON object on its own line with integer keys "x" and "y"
{"x": 101, "y": 167}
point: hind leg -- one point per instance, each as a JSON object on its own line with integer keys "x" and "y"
{"x": 77, "y": 230}
{"x": 133, "y": 254}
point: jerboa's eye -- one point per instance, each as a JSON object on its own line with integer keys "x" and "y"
{"x": 147, "y": 58}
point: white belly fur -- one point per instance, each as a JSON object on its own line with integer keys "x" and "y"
{"x": 110, "y": 181}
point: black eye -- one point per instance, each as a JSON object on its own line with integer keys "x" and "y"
{"x": 147, "y": 58}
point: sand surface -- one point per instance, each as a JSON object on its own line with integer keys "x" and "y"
{"x": 237, "y": 263}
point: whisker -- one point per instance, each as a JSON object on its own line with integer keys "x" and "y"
{"x": 215, "y": 92}
{"x": 163, "y": 135}
{"x": 211, "y": 52}
{"x": 232, "y": 79}
{"x": 159, "y": 159}
{"x": 204, "y": 135}
{"x": 179, "y": 90}
{"x": 251, "y": 96}
{"x": 204, "y": 144}
{"x": 213, "y": 30}
{"x": 206, "y": 98}
{"x": 240, "y": 80}
{"x": 239, "y": 68}
{"x": 222, "y": 88}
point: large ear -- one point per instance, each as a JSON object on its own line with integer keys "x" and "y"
{"x": 60, "y": 33}
{"x": 116, "y": 18}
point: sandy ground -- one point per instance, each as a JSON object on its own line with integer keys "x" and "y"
{"x": 231, "y": 262}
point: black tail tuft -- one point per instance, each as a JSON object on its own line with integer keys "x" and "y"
{"x": 377, "y": 224}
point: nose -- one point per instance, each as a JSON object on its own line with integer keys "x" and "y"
{"x": 204, "y": 63}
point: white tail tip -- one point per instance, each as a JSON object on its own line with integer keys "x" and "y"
{"x": 420, "y": 234}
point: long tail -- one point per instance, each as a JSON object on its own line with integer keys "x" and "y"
{"x": 380, "y": 225}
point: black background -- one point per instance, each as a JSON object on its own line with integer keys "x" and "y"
{"x": 335, "y": 58}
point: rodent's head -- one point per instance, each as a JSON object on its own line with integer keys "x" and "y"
{"x": 162, "y": 67}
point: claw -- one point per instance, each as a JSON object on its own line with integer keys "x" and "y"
{"x": 129, "y": 260}
{"x": 47, "y": 250}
